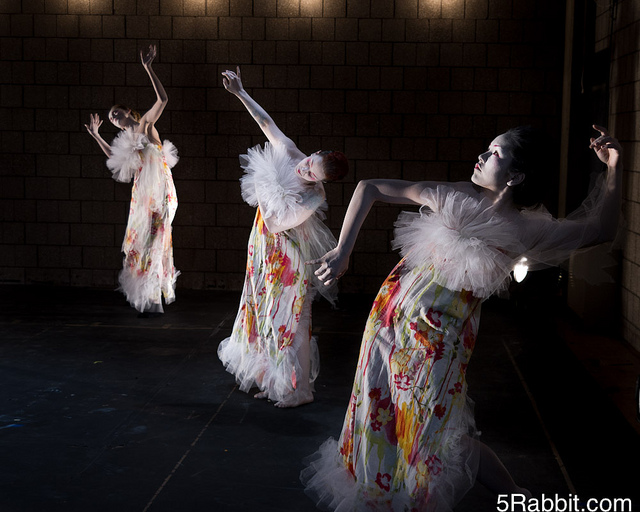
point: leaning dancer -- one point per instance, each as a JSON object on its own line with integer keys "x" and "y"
{"x": 407, "y": 442}
{"x": 271, "y": 345}
{"x": 137, "y": 152}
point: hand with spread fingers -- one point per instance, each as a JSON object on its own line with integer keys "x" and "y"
{"x": 94, "y": 124}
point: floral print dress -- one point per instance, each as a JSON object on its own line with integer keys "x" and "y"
{"x": 148, "y": 272}
{"x": 273, "y": 319}
{"x": 405, "y": 441}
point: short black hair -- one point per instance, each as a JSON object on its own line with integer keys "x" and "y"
{"x": 533, "y": 153}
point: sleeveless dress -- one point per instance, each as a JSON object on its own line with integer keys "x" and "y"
{"x": 405, "y": 444}
{"x": 148, "y": 272}
{"x": 273, "y": 319}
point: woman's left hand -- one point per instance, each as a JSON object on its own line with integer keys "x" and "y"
{"x": 607, "y": 148}
{"x": 148, "y": 58}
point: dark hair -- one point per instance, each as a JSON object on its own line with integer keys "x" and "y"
{"x": 532, "y": 152}
{"x": 335, "y": 164}
{"x": 134, "y": 113}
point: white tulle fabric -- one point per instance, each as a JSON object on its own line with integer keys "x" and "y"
{"x": 272, "y": 373}
{"x": 473, "y": 247}
{"x": 148, "y": 272}
{"x": 271, "y": 183}
{"x": 551, "y": 241}
{"x": 274, "y": 318}
{"x": 406, "y": 438}
{"x": 469, "y": 245}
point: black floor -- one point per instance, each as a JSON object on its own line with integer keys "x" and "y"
{"x": 104, "y": 411}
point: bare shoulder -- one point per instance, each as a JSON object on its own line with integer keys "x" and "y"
{"x": 465, "y": 187}
{"x": 291, "y": 149}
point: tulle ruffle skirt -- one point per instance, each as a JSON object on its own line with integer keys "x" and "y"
{"x": 274, "y": 317}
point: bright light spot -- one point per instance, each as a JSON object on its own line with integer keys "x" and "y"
{"x": 520, "y": 270}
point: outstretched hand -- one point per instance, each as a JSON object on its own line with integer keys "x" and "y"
{"x": 606, "y": 147}
{"x": 148, "y": 58}
{"x": 232, "y": 81}
{"x": 94, "y": 124}
{"x": 333, "y": 265}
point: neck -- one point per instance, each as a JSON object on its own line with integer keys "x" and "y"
{"x": 502, "y": 200}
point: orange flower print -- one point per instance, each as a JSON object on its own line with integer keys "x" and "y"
{"x": 429, "y": 338}
{"x": 386, "y": 298}
{"x": 286, "y": 337}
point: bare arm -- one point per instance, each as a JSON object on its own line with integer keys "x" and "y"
{"x": 92, "y": 128}
{"x": 153, "y": 114}
{"x": 336, "y": 262}
{"x": 296, "y": 217}
{"x": 233, "y": 83}
{"x": 596, "y": 220}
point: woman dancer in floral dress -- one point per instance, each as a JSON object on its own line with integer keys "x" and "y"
{"x": 137, "y": 152}
{"x": 271, "y": 346}
{"x": 407, "y": 442}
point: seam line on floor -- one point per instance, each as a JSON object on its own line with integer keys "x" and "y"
{"x": 534, "y": 404}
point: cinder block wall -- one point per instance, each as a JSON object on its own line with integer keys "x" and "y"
{"x": 411, "y": 89}
{"x": 625, "y": 121}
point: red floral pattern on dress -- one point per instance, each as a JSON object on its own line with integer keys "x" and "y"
{"x": 400, "y": 431}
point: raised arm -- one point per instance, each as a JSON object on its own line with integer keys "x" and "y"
{"x": 336, "y": 262}
{"x": 233, "y": 83}
{"x": 92, "y": 128}
{"x": 153, "y": 114}
{"x": 594, "y": 222}
{"x": 609, "y": 151}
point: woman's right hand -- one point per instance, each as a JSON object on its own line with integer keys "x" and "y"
{"x": 94, "y": 125}
{"x": 333, "y": 265}
{"x": 232, "y": 81}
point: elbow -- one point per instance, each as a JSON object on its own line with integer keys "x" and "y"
{"x": 264, "y": 121}
{"x": 363, "y": 187}
{"x": 271, "y": 225}
{"x": 366, "y": 190}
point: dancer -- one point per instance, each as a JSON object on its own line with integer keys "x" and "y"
{"x": 271, "y": 345}
{"x": 137, "y": 152}
{"x": 407, "y": 441}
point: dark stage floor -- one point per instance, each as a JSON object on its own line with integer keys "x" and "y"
{"x": 103, "y": 411}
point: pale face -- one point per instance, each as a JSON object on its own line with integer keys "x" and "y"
{"x": 119, "y": 117}
{"x": 493, "y": 170}
{"x": 311, "y": 168}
